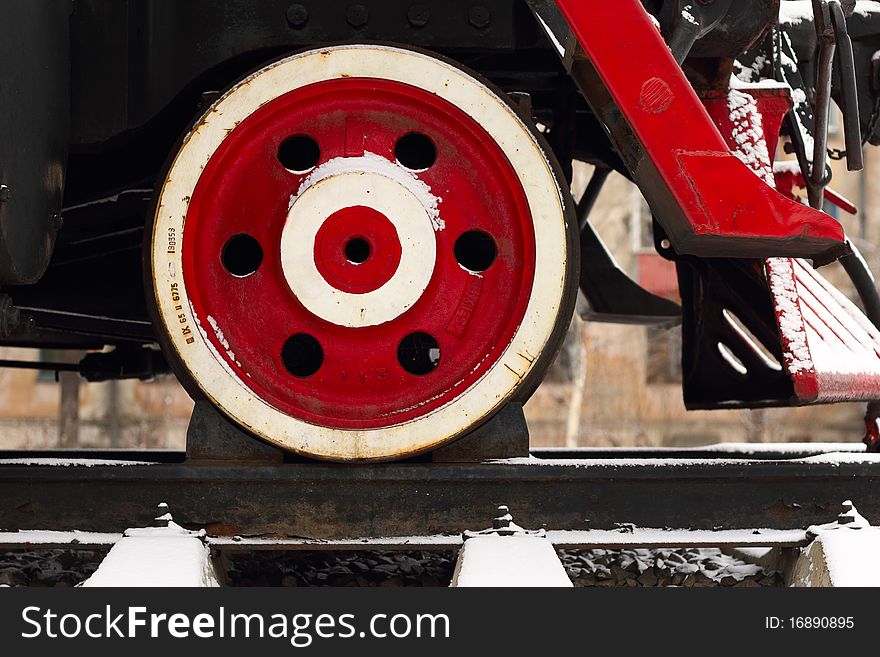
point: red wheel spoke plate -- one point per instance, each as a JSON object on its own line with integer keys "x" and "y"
{"x": 360, "y": 380}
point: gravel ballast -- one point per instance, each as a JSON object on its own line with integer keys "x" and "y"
{"x": 692, "y": 567}
{"x": 696, "y": 567}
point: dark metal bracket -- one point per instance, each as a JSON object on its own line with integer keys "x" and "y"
{"x": 613, "y": 296}
{"x": 714, "y": 291}
{"x": 211, "y": 437}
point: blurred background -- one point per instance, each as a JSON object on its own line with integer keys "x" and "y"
{"x": 612, "y": 385}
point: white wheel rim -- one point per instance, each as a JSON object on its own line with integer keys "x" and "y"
{"x": 495, "y": 387}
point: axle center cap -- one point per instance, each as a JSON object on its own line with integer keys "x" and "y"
{"x": 357, "y": 249}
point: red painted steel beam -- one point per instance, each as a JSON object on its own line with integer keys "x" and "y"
{"x": 725, "y": 210}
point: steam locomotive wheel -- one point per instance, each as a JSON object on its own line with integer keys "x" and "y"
{"x": 360, "y": 253}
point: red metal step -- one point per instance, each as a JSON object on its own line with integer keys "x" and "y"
{"x": 830, "y": 349}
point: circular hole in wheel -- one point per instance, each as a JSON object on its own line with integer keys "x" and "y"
{"x": 242, "y": 255}
{"x": 475, "y": 250}
{"x": 418, "y": 353}
{"x": 302, "y": 355}
{"x": 415, "y": 151}
{"x": 299, "y": 153}
{"x": 357, "y": 250}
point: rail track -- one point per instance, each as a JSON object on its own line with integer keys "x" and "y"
{"x": 571, "y": 490}
{"x": 722, "y": 497}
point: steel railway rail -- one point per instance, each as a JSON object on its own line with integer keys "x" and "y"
{"x": 705, "y": 491}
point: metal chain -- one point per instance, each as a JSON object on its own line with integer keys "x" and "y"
{"x": 839, "y": 153}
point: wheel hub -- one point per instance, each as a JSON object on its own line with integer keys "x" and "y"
{"x": 384, "y": 226}
{"x": 358, "y": 254}
{"x": 357, "y": 249}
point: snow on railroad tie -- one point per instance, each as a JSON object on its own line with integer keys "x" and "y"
{"x": 842, "y": 554}
{"x": 163, "y": 556}
{"x": 508, "y": 555}
{"x": 519, "y": 560}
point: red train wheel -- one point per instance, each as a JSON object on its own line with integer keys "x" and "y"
{"x": 344, "y": 254}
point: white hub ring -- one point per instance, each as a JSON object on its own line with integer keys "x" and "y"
{"x": 543, "y": 194}
{"x": 414, "y": 230}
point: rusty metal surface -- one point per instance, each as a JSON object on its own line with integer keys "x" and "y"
{"x": 505, "y": 435}
{"x": 326, "y": 501}
{"x": 579, "y": 539}
{"x": 582, "y": 540}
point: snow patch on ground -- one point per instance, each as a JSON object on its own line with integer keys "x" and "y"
{"x": 68, "y": 463}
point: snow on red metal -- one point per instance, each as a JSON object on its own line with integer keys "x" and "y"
{"x": 718, "y": 195}
{"x": 831, "y": 350}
